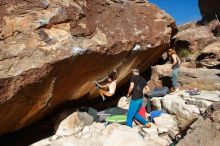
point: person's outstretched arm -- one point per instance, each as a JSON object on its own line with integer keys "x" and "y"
{"x": 131, "y": 87}
{"x": 102, "y": 86}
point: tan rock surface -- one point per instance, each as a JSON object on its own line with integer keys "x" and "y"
{"x": 201, "y": 78}
{"x": 193, "y": 39}
{"x": 204, "y": 132}
{"x": 213, "y": 48}
{"x": 186, "y": 113}
{"x": 73, "y": 123}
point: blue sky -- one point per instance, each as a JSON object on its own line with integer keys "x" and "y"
{"x": 182, "y": 11}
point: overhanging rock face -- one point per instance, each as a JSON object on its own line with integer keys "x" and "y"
{"x": 52, "y": 51}
{"x": 210, "y": 9}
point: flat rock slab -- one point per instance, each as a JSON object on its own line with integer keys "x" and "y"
{"x": 212, "y": 96}
{"x": 166, "y": 121}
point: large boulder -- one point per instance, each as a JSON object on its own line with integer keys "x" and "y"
{"x": 191, "y": 39}
{"x": 52, "y": 51}
{"x": 117, "y": 135}
{"x": 209, "y": 9}
{"x": 72, "y": 124}
{"x": 210, "y": 55}
{"x": 213, "y": 48}
{"x": 201, "y": 78}
{"x": 186, "y": 114}
{"x": 205, "y": 131}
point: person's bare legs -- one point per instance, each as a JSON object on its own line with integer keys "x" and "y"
{"x": 104, "y": 93}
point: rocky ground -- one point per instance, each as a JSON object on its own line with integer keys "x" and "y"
{"x": 181, "y": 110}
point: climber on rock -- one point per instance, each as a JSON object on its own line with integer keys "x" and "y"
{"x": 109, "y": 88}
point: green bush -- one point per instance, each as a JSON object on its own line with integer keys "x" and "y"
{"x": 184, "y": 53}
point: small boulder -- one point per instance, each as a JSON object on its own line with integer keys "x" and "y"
{"x": 186, "y": 114}
{"x": 73, "y": 123}
{"x": 166, "y": 123}
{"x": 156, "y": 103}
{"x": 203, "y": 132}
{"x": 123, "y": 102}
